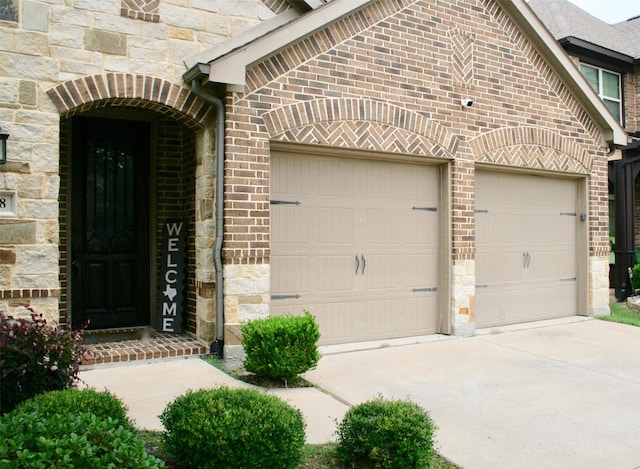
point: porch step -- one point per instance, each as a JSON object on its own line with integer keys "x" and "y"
{"x": 158, "y": 346}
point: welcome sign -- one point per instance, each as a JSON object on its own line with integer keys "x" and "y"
{"x": 172, "y": 273}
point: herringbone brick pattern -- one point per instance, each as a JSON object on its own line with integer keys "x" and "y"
{"x": 365, "y": 136}
{"x": 535, "y": 157}
{"x": 462, "y": 58}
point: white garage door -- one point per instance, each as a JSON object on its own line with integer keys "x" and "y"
{"x": 355, "y": 242}
{"x": 526, "y": 248}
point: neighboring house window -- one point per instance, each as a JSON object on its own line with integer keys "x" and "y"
{"x": 607, "y": 85}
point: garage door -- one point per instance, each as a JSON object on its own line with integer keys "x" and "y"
{"x": 355, "y": 242}
{"x": 526, "y": 248}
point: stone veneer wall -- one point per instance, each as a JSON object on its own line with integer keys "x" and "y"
{"x": 390, "y": 79}
{"x": 62, "y": 58}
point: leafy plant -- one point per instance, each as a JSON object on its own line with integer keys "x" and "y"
{"x": 386, "y": 434}
{"x": 281, "y": 347}
{"x": 32, "y": 439}
{"x": 239, "y": 428}
{"x": 635, "y": 277}
{"x": 35, "y": 358}
{"x": 101, "y": 403}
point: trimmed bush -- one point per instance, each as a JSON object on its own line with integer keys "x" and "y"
{"x": 239, "y": 428}
{"x": 73, "y": 440}
{"x": 386, "y": 434}
{"x": 35, "y": 358}
{"x": 103, "y": 404}
{"x": 281, "y": 347}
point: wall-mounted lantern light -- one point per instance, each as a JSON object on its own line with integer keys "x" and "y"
{"x": 3, "y": 142}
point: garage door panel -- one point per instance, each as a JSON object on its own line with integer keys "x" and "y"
{"x": 399, "y": 272}
{"x": 332, "y": 226}
{"x": 297, "y": 218}
{"x": 526, "y": 259}
{"x": 291, "y": 175}
{"x": 498, "y": 267}
{"x": 336, "y": 273}
{"x": 290, "y": 274}
{"x": 332, "y": 178}
{"x": 552, "y": 265}
{"x": 363, "y": 208}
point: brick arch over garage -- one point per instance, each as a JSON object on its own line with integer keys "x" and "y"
{"x": 531, "y": 147}
{"x": 128, "y": 90}
{"x": 360, "y": 124}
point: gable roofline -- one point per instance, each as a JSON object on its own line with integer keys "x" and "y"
{"x": 532, "y": 27}
{"x": 228, "y": 62}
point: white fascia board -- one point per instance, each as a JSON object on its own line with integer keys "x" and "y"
{"x": 275, "y": 40}
{"x": 559, "y": 61}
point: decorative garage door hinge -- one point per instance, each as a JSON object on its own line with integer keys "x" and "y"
{"x": 484, "y": 285}
{"x": 568, "y": 214}
{"x": 426, "y": 209}
{"x": 284, "y": 202}
{"x": 284, "y": 297}
{"x": 568, "y": 279}
{"x": 481, "y": 211}
{"x": 414, "y": 290}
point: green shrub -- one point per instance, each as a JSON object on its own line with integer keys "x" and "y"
{"x": 239, "y": 428}
{"x": 281, "y": 347}
{"x": 103, "y": 404}
{"x": 635, "y": 279}
{"x": 35, "y": 358}
{"x": 73, "y": 440}
{"x": 386, "y": 434}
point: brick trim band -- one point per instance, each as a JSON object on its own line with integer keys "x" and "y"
{"x": 30, "y": 293}
{"x": 343, "y": 122}
{"x": 123, "y": 89}
{"x": 531, "y": 147}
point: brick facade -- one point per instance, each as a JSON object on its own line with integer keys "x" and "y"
{"x": 390, "y": 79}
{"x": 387, "y": 79}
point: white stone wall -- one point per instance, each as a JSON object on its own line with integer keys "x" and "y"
{"x": 463, "y": 297}
{"x": 54, "y": 41}
{"x": 599, "y": 295}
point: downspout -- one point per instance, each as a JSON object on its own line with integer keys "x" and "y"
{"x": 217, "y": 346}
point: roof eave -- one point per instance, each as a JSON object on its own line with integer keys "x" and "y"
{"x": 594, "y": 49}
{"x": 612, "y": 133}
{"x": 229, "y": 61}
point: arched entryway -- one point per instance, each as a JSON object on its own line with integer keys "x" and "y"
{"x": 127, "y": 167}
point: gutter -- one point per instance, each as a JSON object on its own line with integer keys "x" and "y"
{"x": 217, "y": 346}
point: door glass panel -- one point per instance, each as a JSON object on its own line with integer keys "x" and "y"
{"x": 110, "y": 196}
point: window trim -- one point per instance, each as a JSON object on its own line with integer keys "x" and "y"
{"x": 600, "y": 90}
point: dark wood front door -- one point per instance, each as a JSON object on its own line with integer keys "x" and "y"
{"x": 110, "y": 223}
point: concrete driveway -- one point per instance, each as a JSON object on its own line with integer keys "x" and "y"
{"x": 559, "y": 394}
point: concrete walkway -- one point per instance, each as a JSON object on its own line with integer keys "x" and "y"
{"x": 557, "y": 394}
{"x": 147, "y": 387}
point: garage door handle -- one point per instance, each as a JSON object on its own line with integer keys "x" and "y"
{"x": 526, "y": 260}
{"x": 364, "y": 264}
{"x": 357, "y": 264}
